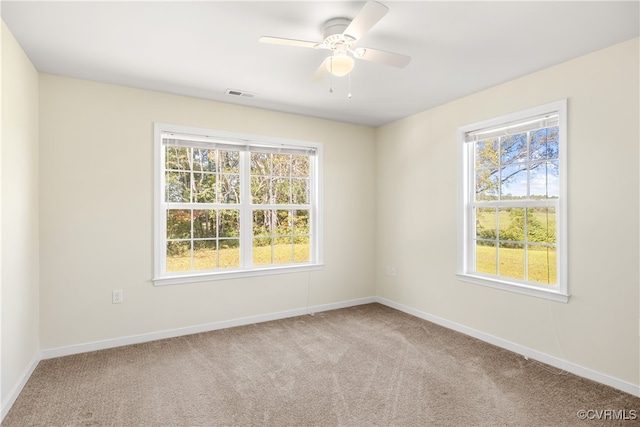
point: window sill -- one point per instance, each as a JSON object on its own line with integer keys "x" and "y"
{"x": 234, "y": 274}
{"x": 548, "y": 294}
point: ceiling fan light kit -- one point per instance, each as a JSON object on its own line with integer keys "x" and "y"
{"x": 340, "y": 64}
{"x": 340, "y": 36}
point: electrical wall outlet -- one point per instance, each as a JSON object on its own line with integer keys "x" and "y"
{"x": 116, "y": 296}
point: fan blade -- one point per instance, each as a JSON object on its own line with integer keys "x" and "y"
{"x": 322, "y": 71}
{"x": 289, "y": 42}
{"x": 368, "y": 16}
{"x": 382, "y": 57}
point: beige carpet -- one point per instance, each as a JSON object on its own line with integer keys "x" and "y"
{"x": 362, "y": 366}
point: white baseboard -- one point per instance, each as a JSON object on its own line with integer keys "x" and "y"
{"x": 15, "y": 392}
{"x": 578, "y": 370}
{"x": 171, "y": 333}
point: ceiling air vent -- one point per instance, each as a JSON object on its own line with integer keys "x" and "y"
{"x": 240, "y": 93}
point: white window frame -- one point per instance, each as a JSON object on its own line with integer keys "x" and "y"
{"x": 244, "y": 142}
{"x": 466, "y": 217}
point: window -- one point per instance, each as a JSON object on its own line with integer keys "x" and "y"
{"x": 512, "y": 219}
{"x": 231, "y": 205}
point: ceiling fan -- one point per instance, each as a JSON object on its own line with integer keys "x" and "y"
{"x": 340, "y": 35}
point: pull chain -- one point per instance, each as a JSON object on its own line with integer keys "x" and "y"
{"x": 331, "y": 75}
{"x": 331, "y": 79}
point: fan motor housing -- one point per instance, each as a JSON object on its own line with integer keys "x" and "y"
{"x": 333, "y": 33}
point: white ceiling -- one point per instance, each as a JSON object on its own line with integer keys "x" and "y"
{"x": 203, "y": 48}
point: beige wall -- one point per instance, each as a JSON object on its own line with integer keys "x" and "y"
{"x": 97, "y": 215}
{"x": 19, "y": 224}
{"x": 417, "y": 212}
